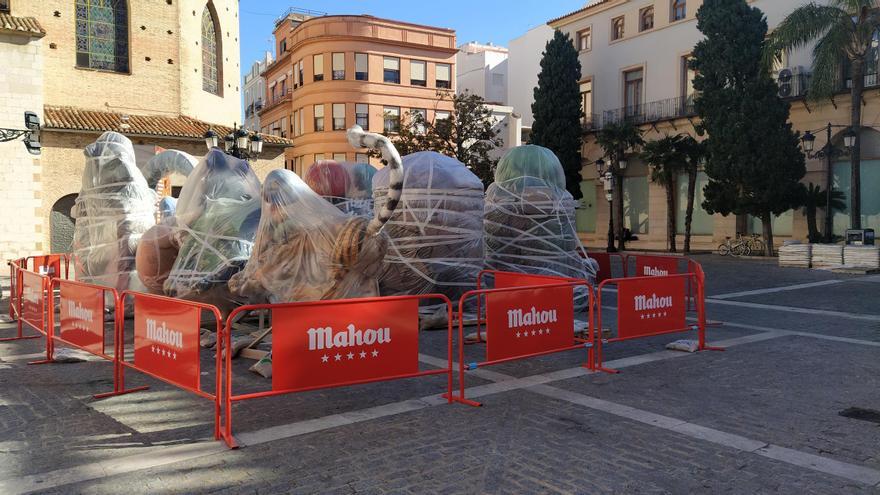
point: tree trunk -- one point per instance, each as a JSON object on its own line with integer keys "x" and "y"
{"x": 689, "y": 212}
{"x": 767, "y": 223}
{"x": 855, "y": 191}
{"x": 812, "y": 228}
{"x": 618, "y": 186}
{"x": 670, "y": 215}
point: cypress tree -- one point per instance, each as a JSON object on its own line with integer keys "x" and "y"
{"x": 754, "y": 161}
{"x": 557, "y": 108}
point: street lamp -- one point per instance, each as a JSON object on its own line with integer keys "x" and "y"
{"x": 239, "y": 143}
{"x": 31, "y": 135}
{"x": 606, "y": 175}
{"x": 829, "y": 152}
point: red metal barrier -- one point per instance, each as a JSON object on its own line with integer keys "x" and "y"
{"x": 30, "y": 301}
{"x": 526, "y": 316}
{"x": 651, "y": 306}
{"x": 166, "y": 345}
{"x": 377, "y": 339}
{"x": 606, "y": 266}
{"x": 14, "y": 285}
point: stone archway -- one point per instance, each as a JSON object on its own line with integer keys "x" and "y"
{"x": 61, "y": 224}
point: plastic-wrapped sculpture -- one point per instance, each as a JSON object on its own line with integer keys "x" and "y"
{"x": 349, "y": 186}
{"x": 215, "y": 223}
{"x": 529, "y": 220}
{"x": 306, "y": 249}
{"x": 114, "y": 208}
{"x": 437, "y": 231}
{"x": 159, "y": 245}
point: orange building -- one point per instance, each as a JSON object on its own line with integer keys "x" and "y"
{"x": 332, "y": 72}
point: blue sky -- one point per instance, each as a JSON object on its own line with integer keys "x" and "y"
{"x": 497, "y": 21}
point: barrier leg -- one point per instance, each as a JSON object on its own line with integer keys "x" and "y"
{"x": 461, "y": 367}
{"x": 225, "y": 429}
{"x": 118, "y": 356}
{"x": 20, "y": 329}
{"x": 49, "y": 326}
{"x": 701, "y": 331}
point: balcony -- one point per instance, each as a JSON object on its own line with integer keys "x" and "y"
{"x": 646, "y": 113}
{"x": 274, "y": 100}
{"x": 795, "y": 81}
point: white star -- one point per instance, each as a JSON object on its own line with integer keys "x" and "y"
{"x": 541, "y": 331}
{"x": 643, "y": 317}
{"x": 325, "y": 358}
{"x": 664, "y": 313}
{"x": 338, "y": 357}
{"x": 525, "y": 334}
{"x": 548, "y": 331}
{"x": 517, "y": 334}
{"x": 350, "y": 355}
{"x": 175, "y": 356}
{"x": 375, "y": 353}
{"x": 153, "y": 348}
{"x": 163, "y": 352}
{"x": 533, "y": 332}
{"x": 363, "y": 354}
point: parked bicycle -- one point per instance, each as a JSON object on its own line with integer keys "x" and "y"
{"x": 736, "y": 247}
{"x": 756, "y": 245}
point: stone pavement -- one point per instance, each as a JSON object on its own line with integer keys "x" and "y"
{"x": 761, "y": 417}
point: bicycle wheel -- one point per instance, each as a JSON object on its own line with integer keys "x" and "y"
{"x": 723, "y": 249}
{"x": 738, "y": 248}
{"x": 757, "y": 245}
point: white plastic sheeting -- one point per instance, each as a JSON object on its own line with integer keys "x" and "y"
{"x": 306, "y": 249}
{"x": 166, "y": 163}
{"x": 436, "y": 233}
{"x": 114, "y": 208}
{"x": 530, "y": 220}
{"x": 348, "y": 186}
{"x": 215, "y": 223}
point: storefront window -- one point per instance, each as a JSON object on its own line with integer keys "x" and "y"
{"x": 701, "y": 223}
{"x": 635, "y": 204}
{"x": 585, "y": 214}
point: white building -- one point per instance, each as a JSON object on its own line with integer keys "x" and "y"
{"x": 482, "y": 70}
{"x": 523, "y": 65}
{"x": 254, "y": 88}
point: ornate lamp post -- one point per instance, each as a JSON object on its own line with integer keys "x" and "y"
{"x": 238, "y": 143}
{"x": 607, "y": 177}
{"x": 31, "y": 134}
{"x": 829, "y": 152}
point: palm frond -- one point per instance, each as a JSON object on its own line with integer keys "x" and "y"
{"x": 828, "y": 55}
{"x": 802, "y": 26}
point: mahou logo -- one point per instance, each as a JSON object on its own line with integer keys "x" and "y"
{"x": 650, "y": 271}
{"x": 517, "y": 318}
{"x": 82, "y": 317}
{"x": 325, "y": 338}
{"x": 160, "y": 333}
{"x": 645, "y": 303}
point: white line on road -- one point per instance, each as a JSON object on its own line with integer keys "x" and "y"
{"x": 777, "y": 289}
{"x": 792, "y": 309}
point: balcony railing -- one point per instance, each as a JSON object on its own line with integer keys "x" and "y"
{"x": 276, "y": 98}
{"x": 796, "y": 84}
{"x": 646, "y": 113}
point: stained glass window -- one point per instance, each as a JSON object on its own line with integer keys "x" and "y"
{"x": 210, "y": 53}
{"x": 102, "y": 34}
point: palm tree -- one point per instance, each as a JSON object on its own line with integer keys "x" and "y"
{"x": 616, "y": 139}
{"x": 667, "y": 159}
{"x": 814, "y": 197}
{"x": 694, "y": 152}
{"x": 843, "y": 31}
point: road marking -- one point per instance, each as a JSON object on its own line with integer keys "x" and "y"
{"x": 777, "y": 289}
{"x": 792, "y": 309}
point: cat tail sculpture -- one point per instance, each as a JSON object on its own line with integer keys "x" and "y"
{"x": 358, "y": 138}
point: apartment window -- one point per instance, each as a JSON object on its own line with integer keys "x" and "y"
{"x": 617, "y": 28}
{"x": 339, "y": 116}
{"x": 302, "y": 79}
{"x": 302, "y": 121}
{"x": 338, "y": 66}
{"x": 679, "y": 10}
{"x": 362, "y": 115}
{"x": 361, "y": 158}
{"x": 319, "y": 157}
{"x": 318, "y": 64}
{"x": 587, "y": 100}
{"x": 392, "y": 119}
{"x": 339, "y": 157}
{"x": 444, "y": 76}
{"x": 282, "y": 47}
{"x": 687, "y": 78}
{"x": 646, "y": 18}
{"x": 4, "y": 6}
{"x": 391, "y": 72}
{"x": 319, "y": 118}
{"x": 497, "y": 79}
{"x": 417, "y": 73}
{"x": 632, "y": 91}
{"x": 441, "y": 115}
{"x": 418, "y": 117}
{"x": 283, "y": 127}
{"x": 585, "y": 40}
{"x": 294, "y": 123}
{"x": 361, "y": 67}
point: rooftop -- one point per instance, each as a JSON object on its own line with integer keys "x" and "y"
{"x": 579, "y": 11}
{"x": 17, "y": 25}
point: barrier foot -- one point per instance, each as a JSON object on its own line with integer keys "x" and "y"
{"x": 230, "y": 441}
{"x": 713, "y": 323}
{"x": 42, "y": 361}
{"x": 10, "y": 339}
{"x": 462, "y": 400}
{"x": 122, "y": 392}
{"x": 608, "y": 370}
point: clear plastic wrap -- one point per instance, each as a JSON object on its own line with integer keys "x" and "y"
{"x": 166, "y": 163}
{"x": 215, "y": 224}
{"x": 436, "y": 234}
{"x": 348, "y": 186}
{"x": 114, "y": 208}
{"x": 530, "y": 222}
{"x": 307, "y": 249}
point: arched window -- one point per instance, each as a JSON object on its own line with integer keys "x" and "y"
{"x": 646, "y": 19}
{"x": 102, "y": 34}
{"x": 679, "y": 10}
{"x": 212, "y": 52}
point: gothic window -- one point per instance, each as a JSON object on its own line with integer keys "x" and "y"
{"x": 102, "y": 34}
{"x": 212, "y": 74}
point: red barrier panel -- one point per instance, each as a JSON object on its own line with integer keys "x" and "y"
{"x": 651, "y": 306}
{"x": 527, "y": 316}
{"x": 166, "y": 345}
{"x": 655, "y": 266}
{"x": 606, "y": 265}
{"x": 328, "y": 344}
{"x": 15, "y": 267}
{"x": 29, "y": 300}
